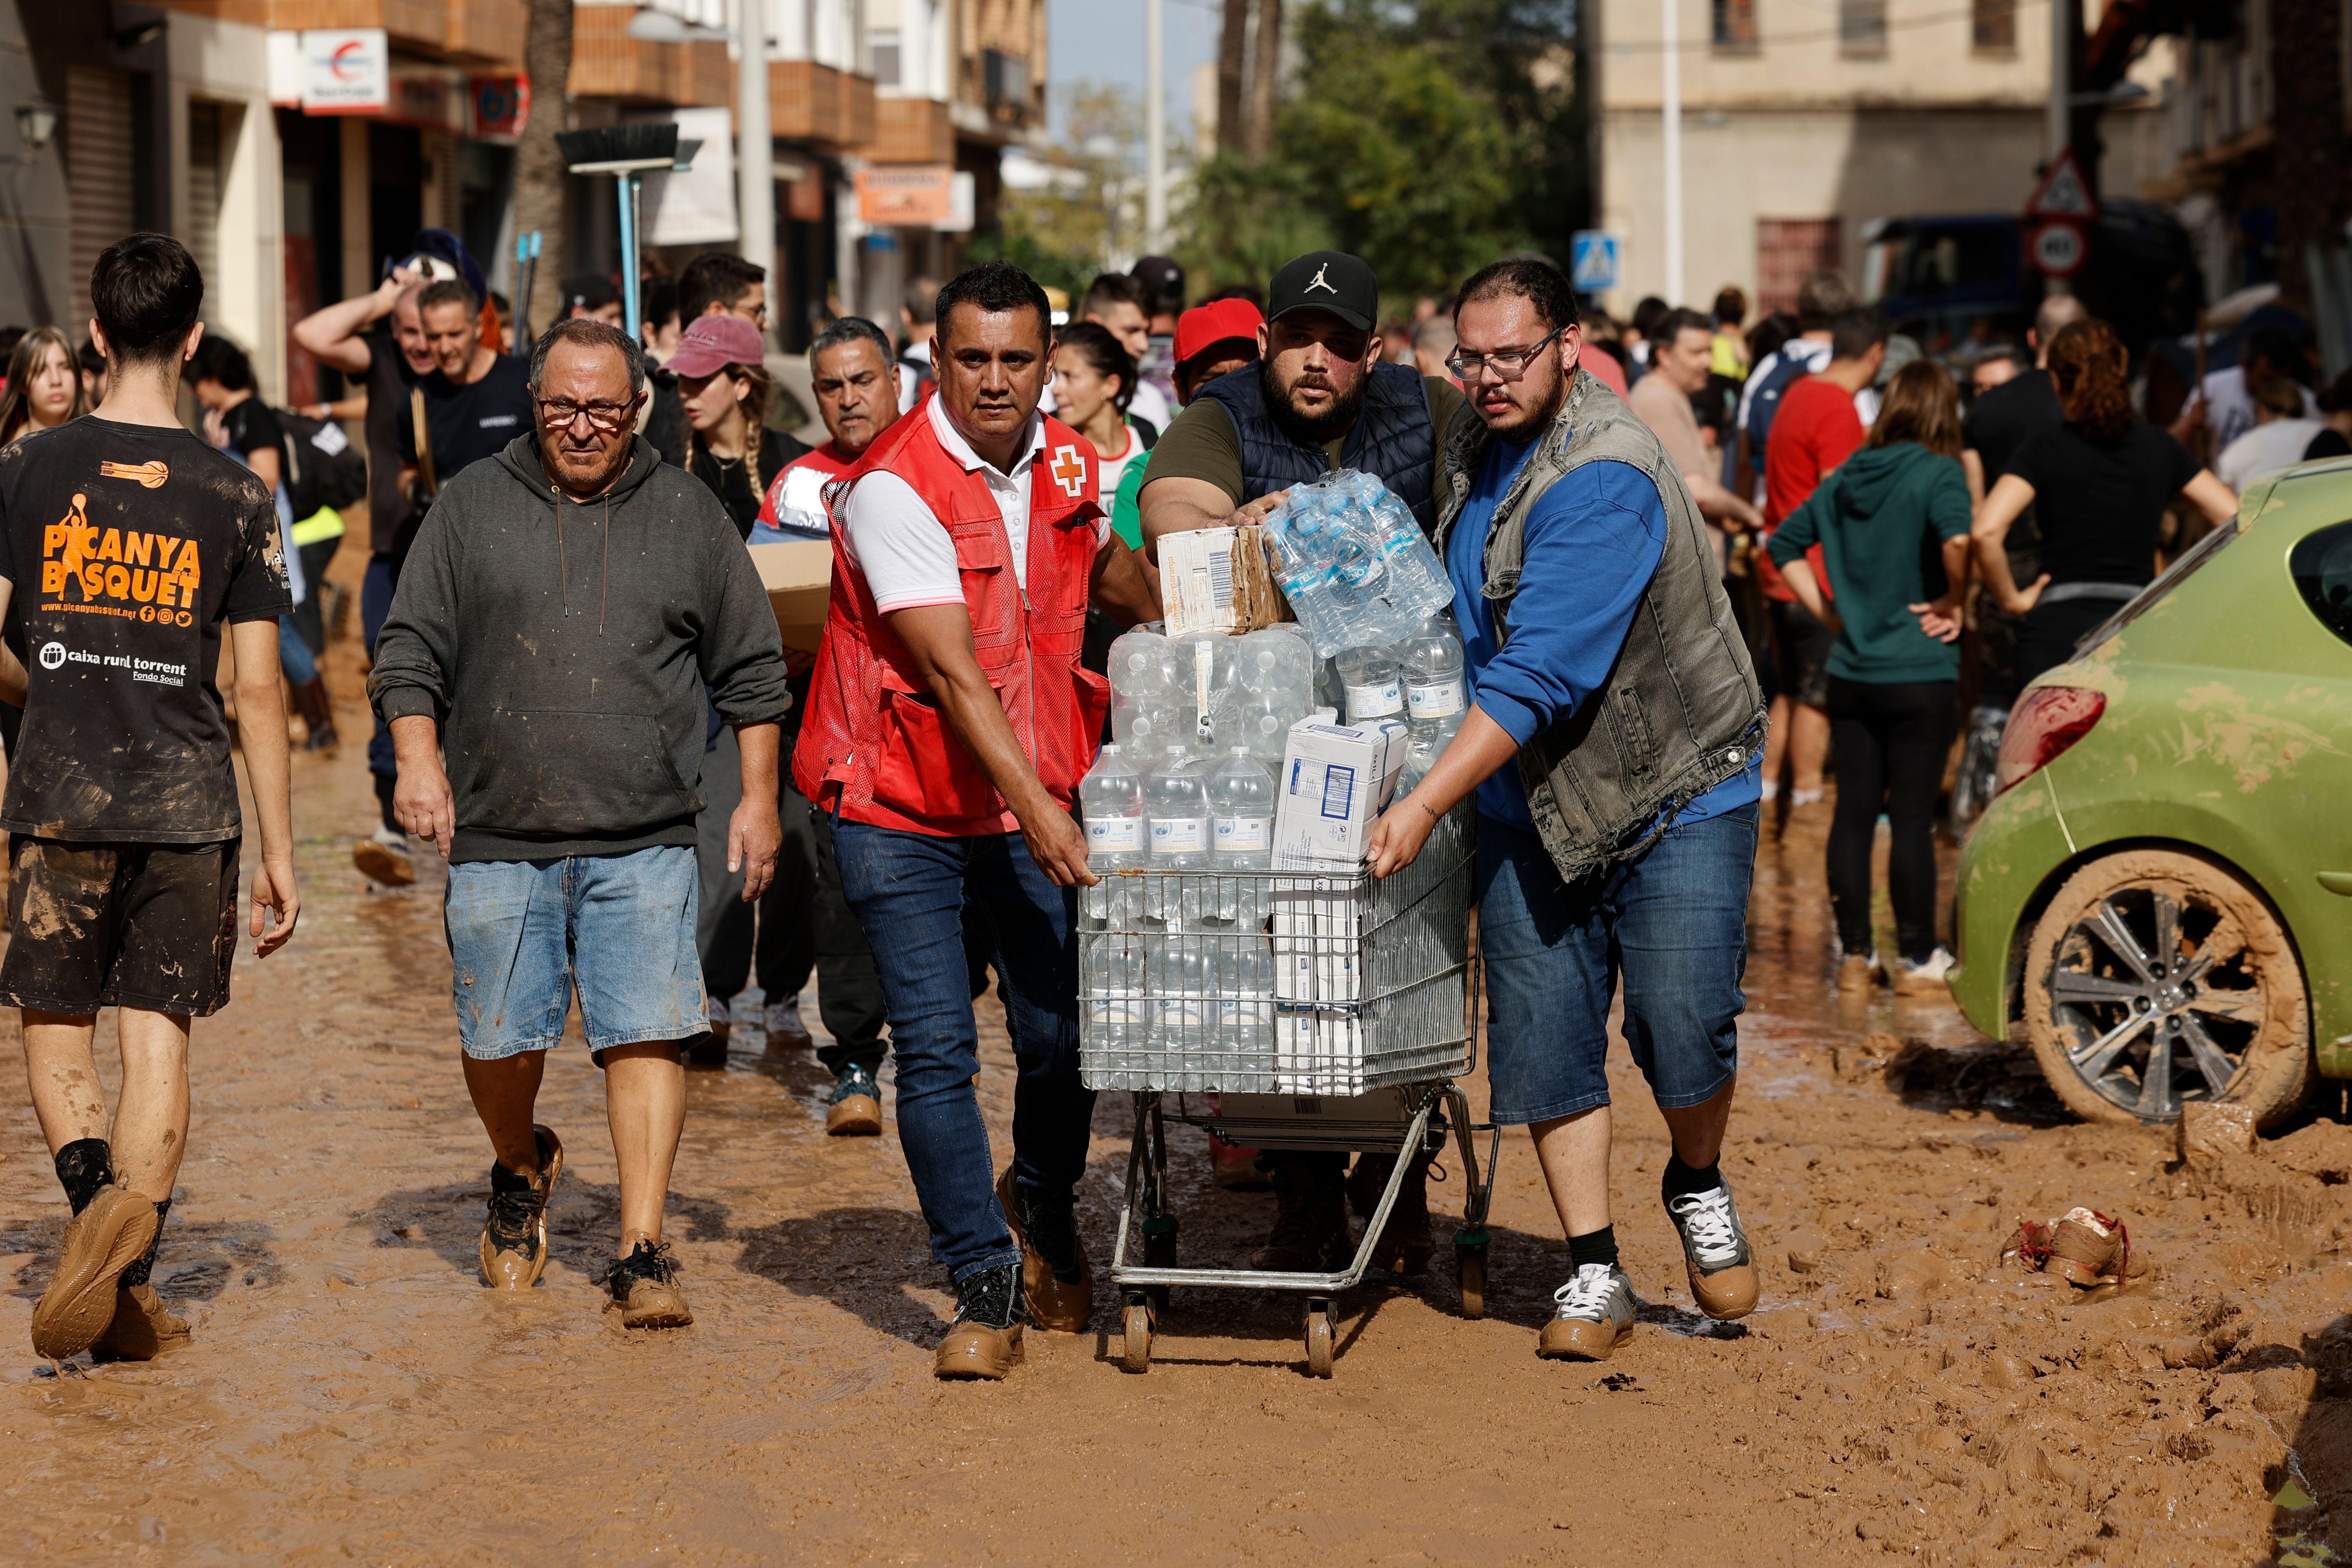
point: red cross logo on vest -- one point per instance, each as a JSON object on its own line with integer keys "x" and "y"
{"x": 1069, "y": 470}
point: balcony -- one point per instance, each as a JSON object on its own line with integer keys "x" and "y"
{"x": 608, "y": 63}
{"x": 817, "y": 104}
{"x": 461, "y": 31}
{"x": 911, "y": 131}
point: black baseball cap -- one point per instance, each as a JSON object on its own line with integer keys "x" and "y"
{"x": 1330, "y": 280}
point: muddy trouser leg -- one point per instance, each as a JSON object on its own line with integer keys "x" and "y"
{"x": 848, "y": 991}
{"x": 310, "y": 615}
{"x": 786, "y": 949}
{"x": 375, "y": 603}
{"x": 723, "y": 922}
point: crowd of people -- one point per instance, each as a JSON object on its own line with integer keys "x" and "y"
{"x": 1697, "y": 569}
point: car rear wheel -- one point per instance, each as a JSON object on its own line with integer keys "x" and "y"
{"x": 2155, "y": 979}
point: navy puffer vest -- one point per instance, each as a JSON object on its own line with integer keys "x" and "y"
{"x": 1393, "y": 439}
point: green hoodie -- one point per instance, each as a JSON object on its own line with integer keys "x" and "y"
{"x": 1880, "y": 519}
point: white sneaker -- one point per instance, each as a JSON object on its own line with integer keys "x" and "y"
{"x": 1801, "y": 797}
{"x": 783, "y": 1022}
{"x": 382, "y": 857}
{"x": 1928, "y": 977}
{"x": 1590, "y": 1314}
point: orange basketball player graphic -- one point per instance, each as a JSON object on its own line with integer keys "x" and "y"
{"x": 115, "y": 570}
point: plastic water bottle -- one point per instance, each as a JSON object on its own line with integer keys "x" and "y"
{"x": 1176, "y": 807}
{"x": 1261, "y": 723}
{"x": 1371, "y": 682}
{"x": 1110, "y": 799}
{"x": 1241, "y": 818}
{"x": 1179, "y": 988}
{"x": 1113, "y": 987}
{"x": 1248, "y": 1016}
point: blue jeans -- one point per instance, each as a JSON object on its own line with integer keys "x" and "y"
{"x": 908, "y": 891}
{"x": 294, "y": 654}
{"x": 1673, "y": 921}
{"x": 524, "y": 933}
{"x": 375, "y": 603}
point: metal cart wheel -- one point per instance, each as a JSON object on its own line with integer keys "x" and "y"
{"x": 1470, "y": 1273}
{"x": 1318, "y": 1338}
{"x": 1137, "y": 1357}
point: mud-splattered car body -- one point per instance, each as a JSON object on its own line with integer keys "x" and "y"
{"x": 2221, "y": 728}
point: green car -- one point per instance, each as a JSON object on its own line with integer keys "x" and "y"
{"x": 2161, "y": 891}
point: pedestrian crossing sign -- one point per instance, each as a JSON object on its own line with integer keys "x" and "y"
{"x": 1592, "y": 266}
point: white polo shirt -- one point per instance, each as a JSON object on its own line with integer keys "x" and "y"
{"x": 899, "y": 544}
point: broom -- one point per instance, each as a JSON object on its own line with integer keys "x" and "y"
{"x": 628, "y": 152}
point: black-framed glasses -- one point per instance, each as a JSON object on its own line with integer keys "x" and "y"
{"x": 1508, "y": 365}
{"x": 562, "y": 413}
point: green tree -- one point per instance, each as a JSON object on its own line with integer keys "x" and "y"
{"x": 1428, "y": 138}
{"x": 1065, "y": 232}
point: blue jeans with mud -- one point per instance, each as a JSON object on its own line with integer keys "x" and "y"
{"x": 909, "y": 890}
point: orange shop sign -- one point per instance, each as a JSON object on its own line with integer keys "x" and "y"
{"x": 911, "y": 195}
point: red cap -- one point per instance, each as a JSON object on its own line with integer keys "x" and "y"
{"x": 1213, "y": 322}
{"x": 712, "y": 344}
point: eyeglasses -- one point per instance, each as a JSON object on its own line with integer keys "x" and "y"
{"x": 1508, "y": 365}
{"x": 559, "y": 412}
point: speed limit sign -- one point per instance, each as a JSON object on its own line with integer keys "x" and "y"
{"x": 2058, "y": 249}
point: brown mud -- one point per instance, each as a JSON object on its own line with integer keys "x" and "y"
{"x": 352, "y": 1393}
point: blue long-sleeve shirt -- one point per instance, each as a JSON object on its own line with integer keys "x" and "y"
{"x": 1594, "y": 541}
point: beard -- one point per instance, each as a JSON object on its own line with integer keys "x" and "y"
{"x": 1313, "y": 429}
{"x": 614, "y": 463}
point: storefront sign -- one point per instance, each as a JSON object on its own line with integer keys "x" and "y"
{"x": 497, "y": 107}
{"x": 914, "y": 196}
{"x": 346, "y": 70}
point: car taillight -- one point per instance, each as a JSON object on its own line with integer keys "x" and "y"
{"x": 2045, "y": 722}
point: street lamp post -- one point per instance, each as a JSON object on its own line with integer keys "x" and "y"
{"x": 755, "y": 158}
{"x": 1155, "y": 126}
{"x": 1671, "y": 53}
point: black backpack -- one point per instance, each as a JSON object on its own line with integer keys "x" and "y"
{"x": 323, "y": 468}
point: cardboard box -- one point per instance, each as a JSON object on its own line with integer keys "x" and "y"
{"x": 798, "y": 576}
{"x": 1336, "y": 780}
{"x": 1216, "y": 580}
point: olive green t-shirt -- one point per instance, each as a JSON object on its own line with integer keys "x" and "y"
{"x": 1199, "y": 443}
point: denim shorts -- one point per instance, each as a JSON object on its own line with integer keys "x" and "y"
{"x": 620, "y": 928}
{"x": 1673, "y": 921}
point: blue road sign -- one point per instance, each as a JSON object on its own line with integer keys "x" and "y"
{"x": 1593, "y": 260}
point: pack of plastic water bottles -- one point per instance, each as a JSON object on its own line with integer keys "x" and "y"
{"x": 1354, "y": 565}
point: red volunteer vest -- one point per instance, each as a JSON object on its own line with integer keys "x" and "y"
{"x": 873, "y": 745}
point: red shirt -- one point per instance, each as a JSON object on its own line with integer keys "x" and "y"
{"x": 1605, "y": 368}
{"x": 827, "y": 460}
{"x": 1814, "y": 431}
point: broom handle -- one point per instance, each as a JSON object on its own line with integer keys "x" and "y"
{"x": 628, "y": 183}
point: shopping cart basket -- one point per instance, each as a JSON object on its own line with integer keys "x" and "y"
{"x": 1312, "y": 1011}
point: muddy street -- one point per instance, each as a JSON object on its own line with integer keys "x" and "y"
{"x": 351, "y": 1392}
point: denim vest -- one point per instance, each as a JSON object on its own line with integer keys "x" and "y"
{"x": 1394, "y": 437}
{"x": 1682, "y": 712}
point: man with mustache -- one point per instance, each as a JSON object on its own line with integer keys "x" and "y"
{"x": 1321, "y": 396}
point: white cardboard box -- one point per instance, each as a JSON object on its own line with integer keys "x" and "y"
{"x": 1336, "y": 780}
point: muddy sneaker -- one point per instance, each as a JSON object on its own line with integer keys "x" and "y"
{"x": 1058, "y": 1288}
{"x": 1591, "y": 1313}
{"x": 2028, "y": 1246}
{"x": 785, "y": 1031}
{"x": 984, "y": 1341}
{"x": 514, "y": 1238}
{"x": 855, "y": 1109}
{"x": 645, "y": 1288}
{"x": 709, "y": 1049}
{"x": 1404, "y": 1246}
{"x": 1856, "y": 975}
{"x": 1310, "y": 1219}
{"x": 1926, "y": 978}
{"x": 143, "y": 1327}
{"x": 383, "y": 859}
{"x": 107, "y": 1237}
{"x": 1714, "y": 1250}
{"x": 2088, "y": 1248}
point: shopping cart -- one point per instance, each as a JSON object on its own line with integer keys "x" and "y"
{"x": 1332, "y": 1012}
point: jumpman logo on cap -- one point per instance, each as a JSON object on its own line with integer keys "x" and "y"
{"x": 1317, "y": 281}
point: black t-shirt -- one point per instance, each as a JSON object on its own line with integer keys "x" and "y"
{"x": 471, "y": 421}
{"x": 388, "y": 381}
{"x": 253, "y": 427}
{"x": 731, "y": 481}
{"x": 129, "y": 546}
{"x": 2002, "y": 420}
{"x": 2101, "y": 502}
{"x": 2328, "y": 443}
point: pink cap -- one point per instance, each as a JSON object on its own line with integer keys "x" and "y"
{"x": 712, "y": 343}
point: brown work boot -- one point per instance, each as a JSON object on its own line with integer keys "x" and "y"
{"x": 1057, "y": 1286}
{"x": 1857, "y": 974}
{"x": 514, "y": 1238}
{"x": 645, "y": 1288}
{"x": 107, "y": 1237}
{"x": 2088, "y": 1248}
{"x": 856, "y": 1107}
{"x": 1404, "y": 1246}
{"x": 984, "y": 1341}
{"x": 143, "y": 1327}
{"x": 1310, "y": 1232}
{"x": 383, "y": 859}
{"x": 1591, "y": 1313}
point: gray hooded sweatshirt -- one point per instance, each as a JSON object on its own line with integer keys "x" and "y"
{"x": 564, "y": 648}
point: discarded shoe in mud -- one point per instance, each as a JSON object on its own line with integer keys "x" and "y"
{"x": 2028, "y": 1246}
{"x": 2088, "y": 1248}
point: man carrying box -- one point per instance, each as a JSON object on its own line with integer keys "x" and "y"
{"x": 1612, "y": 747}
{"x": 948, "y": 725}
